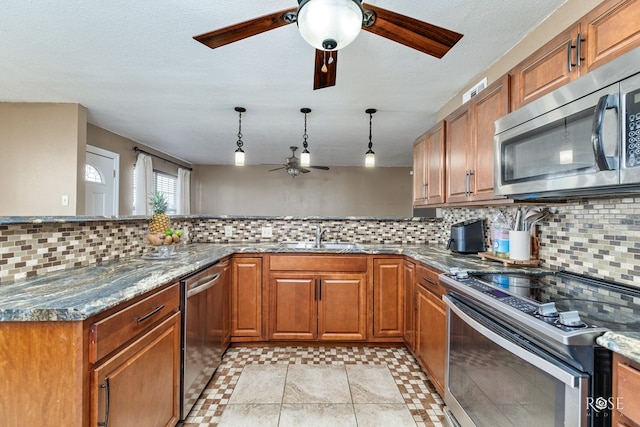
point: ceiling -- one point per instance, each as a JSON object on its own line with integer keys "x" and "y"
{"x": 137, "y": 69}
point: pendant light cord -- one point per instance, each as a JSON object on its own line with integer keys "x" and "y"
{"x": 240, "y": 143}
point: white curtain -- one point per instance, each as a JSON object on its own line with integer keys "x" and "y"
{"x": 144, "y": 184}
{"x": 184, "y": 192}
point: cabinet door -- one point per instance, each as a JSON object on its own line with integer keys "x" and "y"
{"x": 419, "y": 170}
{"x": 610, "y": 29}
{"x": 342, "y": 307}
{"x": 550, "y": 67}
{"x": 431, "y": 346}
{"x": 409, "y": 295}
{"x": 388, "y": 304}
{"x": 139, "y": 385}
{"x": 458, "y": 143}
{"x": 293, "y": 303}
{"x": 435, "y": 164}
{"x": 246, "y": 296}
{"x": 488, "y": 106}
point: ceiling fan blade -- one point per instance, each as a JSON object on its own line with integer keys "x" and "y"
{"x": 324, "y": 168}
{"x": 303, "y": 170}
{"x": 246, "y": 29}
{"x": 277, "y": 169}
{"x": 426, "y": 38}
{"x": 328, "y": 61}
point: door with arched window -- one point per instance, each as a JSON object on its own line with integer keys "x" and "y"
{"x": 101, "y": 182}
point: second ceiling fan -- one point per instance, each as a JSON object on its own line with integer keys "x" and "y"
{"x": 329, "y": 25}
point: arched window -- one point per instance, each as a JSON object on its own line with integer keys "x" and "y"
{"x": 91, "y": 174}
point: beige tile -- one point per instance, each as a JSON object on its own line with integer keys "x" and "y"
{"x": 385, "y": 414}
{"x": 316, "y": 384}
{"x": 317, "y": 415}
{"x": 260, "y": 384}
{"x": 250, "y": 415}
{"x": 372, "y": 384}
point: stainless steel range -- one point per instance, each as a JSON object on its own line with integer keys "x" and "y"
{"x": 522, "y": 350}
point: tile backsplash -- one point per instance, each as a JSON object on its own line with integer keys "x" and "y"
{"x": 596, "y": 237}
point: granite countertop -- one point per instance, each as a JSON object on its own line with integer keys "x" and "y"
{"x": 76, "y": 294}
{"x": 625, "y": 343}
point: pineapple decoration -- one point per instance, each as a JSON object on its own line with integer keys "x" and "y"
{"x": 160, "y": 231}
{"x": 160, "y": 221}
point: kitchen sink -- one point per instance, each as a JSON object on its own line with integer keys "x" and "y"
{"x": 323, "y": 245}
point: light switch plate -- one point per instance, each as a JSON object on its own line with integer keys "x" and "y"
{"x": 64, "y": 200}
{"x": 228, "y": 231}
{"x": 267, "y": 232}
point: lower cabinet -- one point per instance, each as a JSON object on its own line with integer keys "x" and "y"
{"x": 139, "y": 385}
{"x": 388, "y": 304}
{"x": 626, "y": 389}
{"x": 315, "y": 297}
{"x": 330, "y": 307}
{"x": 410, "y": 304}
{"x": 431, "y": 326}
{"x": 246, "y": 298}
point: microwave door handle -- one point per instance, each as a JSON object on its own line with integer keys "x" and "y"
{"x": 605, "y": 103}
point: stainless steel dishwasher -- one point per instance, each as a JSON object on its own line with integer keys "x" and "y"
{"x": 205, "y": 329}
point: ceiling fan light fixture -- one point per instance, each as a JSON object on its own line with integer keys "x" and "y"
{"x": 329, "y": 24}
{"x": 370, "y": 156}
{"x": 239, "y": 154}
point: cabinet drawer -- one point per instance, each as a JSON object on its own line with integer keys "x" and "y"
{"x": 339, "y": 263}
{"x": 111, "y": 332}
{"x": 627, "y": 390}
{"x": 428, "y": 279}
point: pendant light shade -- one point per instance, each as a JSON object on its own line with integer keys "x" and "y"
{"x": 370, "y": 156}
{"x": 305, "y": 156}
{"x": 239, "y": 155}
{"x": 329, "y": 24}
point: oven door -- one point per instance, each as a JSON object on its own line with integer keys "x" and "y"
{"x": 496, "y": 378}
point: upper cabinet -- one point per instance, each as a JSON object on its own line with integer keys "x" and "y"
{"x": 469, "y": 145}
{"x": 609, "y": 30}
{"x": 428, "y": 167}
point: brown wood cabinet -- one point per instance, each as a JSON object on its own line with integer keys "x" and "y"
{"x": 428, "y": 167}
{"x": 608, "y": 31}
{"x": 410, "y": 304}
{"x": 139, "y": 385}
{"x": 318, "y": 298}
{"x": 626, "y": 389}
{"x": 469, "y": 145}
{"x": 246, "y": 298}
{"x": 431, "y": 325}
{"x": 388, "y": 303}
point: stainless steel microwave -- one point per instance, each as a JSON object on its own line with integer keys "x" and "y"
{"x": 582, "y": 139}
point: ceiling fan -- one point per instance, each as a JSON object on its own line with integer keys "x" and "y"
{"x": 292, "y": 165}
{"x": 329, "y": 25}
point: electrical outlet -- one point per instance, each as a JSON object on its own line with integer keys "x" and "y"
{"x": 267, "y": 232}
{"x": 228, "y": 231}
{"x": 65, "y": 200}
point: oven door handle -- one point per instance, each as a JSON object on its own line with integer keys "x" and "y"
{"x": 537, "y": 361}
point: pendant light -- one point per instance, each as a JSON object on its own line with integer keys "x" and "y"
{"x": 329, "y": 24}
{"x": 239, "y": 157}
{"x": 305, "y": 156}
{"x": 370, "y": 156}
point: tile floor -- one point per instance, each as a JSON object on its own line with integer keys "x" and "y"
{"x": 317, "y": 386}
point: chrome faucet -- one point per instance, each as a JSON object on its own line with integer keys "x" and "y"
{"x": 319, "y": 232}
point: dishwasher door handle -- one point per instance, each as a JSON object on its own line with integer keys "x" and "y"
{"x": 204, "y": 284}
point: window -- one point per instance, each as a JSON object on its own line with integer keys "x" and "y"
{"x": 164, "y": 183}
{"x": 91, "y": 174}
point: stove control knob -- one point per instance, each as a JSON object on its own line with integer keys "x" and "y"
{"x": 548, "y": 310}
{"x": 570, "y": 318}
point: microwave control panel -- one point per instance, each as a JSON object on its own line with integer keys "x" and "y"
{"x": 632, "y": 129}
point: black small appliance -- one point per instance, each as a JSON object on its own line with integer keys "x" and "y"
{"x": 467, "y": 237}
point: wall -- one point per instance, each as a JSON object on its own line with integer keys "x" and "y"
{"x": 568, "y": 13}
{"x": 341, "y": 191}
{"x": 110, "y": 141}
{"x": 43, "y": 155}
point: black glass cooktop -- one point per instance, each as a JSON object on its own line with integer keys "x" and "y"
{"x": 599, "y": 303}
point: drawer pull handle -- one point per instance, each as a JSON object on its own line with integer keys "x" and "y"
{"x": 105, "y": 386}
{"x": 151, "y": 313}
